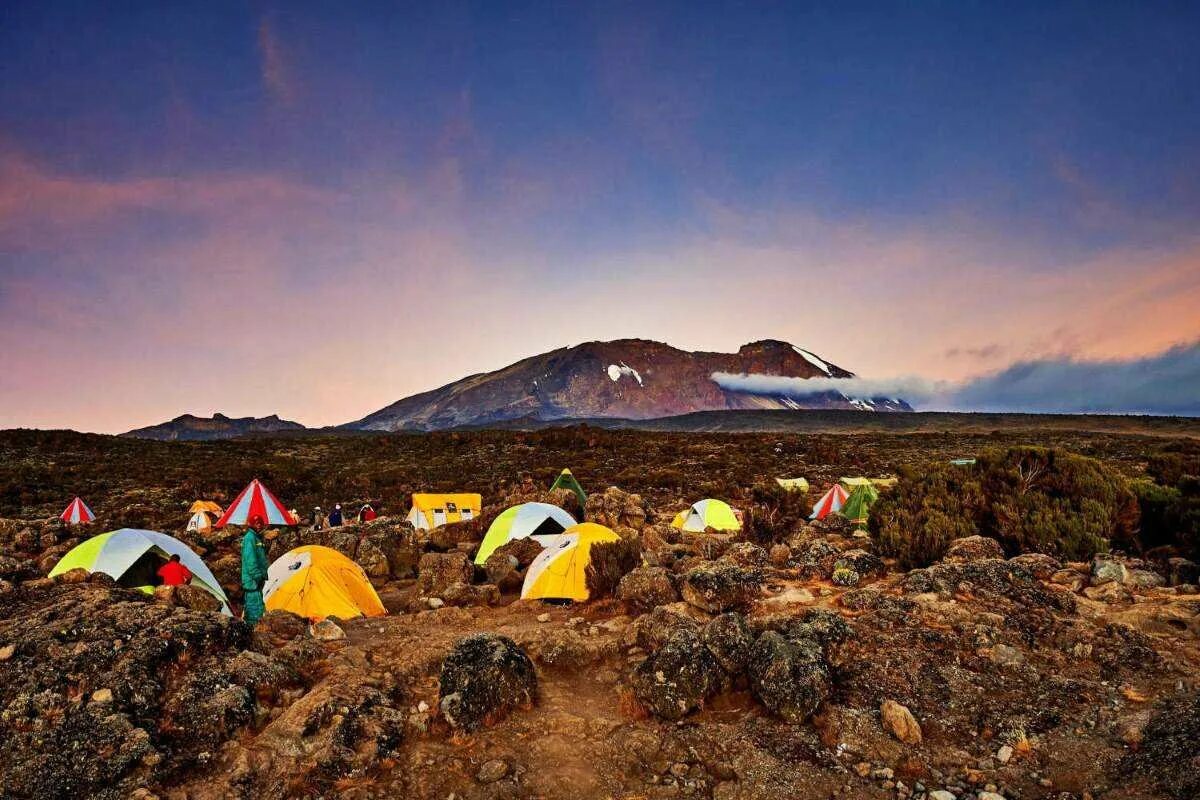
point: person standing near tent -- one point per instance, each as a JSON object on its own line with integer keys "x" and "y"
{"x": 318, "y": 519}
{"x": 335, "y": 516}
{"x": 366, "y": 513}
{"x": 254, "y": 571}
{"x": 174, "y": 573}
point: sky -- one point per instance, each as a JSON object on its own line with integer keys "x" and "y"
{"x": 312, "y": 210}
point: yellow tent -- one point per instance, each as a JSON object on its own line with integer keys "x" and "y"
{"x": 793, "y": 484}
{"x": 879, "y": 483}
{"x": 207, "y": 507}
{"x": 560, "y": 571}
{"x": 435, "y": 510}
{"x": 705, "y": 514}
{"x": 317, "y": 582}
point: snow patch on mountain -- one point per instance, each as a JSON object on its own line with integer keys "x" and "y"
{"x": 615, "y": 371}
{"x": 816, "y": 362}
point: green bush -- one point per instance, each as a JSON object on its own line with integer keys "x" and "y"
{"x": 1171, "y": 515}
{"x": 1031, "y": 499}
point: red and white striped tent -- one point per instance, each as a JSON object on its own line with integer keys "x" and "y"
{"x": 77, "y": 512}
{"x": 831, "y": 501}
{"x": 255, "y": 500}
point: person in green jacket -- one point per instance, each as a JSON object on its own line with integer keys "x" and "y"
{"x": 254, "y": 571}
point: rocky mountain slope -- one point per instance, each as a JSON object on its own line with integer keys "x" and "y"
{"x": 622, "y": 379}
{"x": 189, "y": 427}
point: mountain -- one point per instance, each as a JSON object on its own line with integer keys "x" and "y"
{"x": 625, "y": 379}
{"x": 192, "y": 428}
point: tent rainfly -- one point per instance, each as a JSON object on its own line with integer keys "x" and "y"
{"x": 560, "y": 573}
{"x": 566, "y": 480}
{"x": 318, "y": 582}
{"x": 793, "y": 484}
{"x": 704, "y": 514}
{"x": 830, "y": 502}
{"x": 431, "y": 511}
{"x": 541, "y": 522}
{"x": 859, "y": 503}
{"x": 77, "y": 513}
{"x": 132, "y": 558}
{"x": 256, "y": 500}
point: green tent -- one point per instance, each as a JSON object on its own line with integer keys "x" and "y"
{"x": 566, "y": 480}
{"x": 859, "y": 503}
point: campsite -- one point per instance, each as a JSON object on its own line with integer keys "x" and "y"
{"x": 676, "y": 615}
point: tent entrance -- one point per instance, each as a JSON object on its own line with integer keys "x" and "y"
{"x": 144, "y": 571}
{"x": 549, "y": 527}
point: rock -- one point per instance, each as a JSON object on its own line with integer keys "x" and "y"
{"x": 523, "y": 550}
{"x": 1168, "y": 750}
{"x": 900, "y": 722}
{"x": 187, "y": 596}
{"x": 745, "y": 554}
{"x": 503, "y": 571}
{"x": 466, "y": 594}
{"x": 779, "y": 555}
{"x": 485, "y": 675}
{"x": 795, "y": 595}
{"x": 860, "y": 561}
{"x": 1107, "y": 569}
{"x": 1068, "y": 578}
{"x": 543, "y": 617}
{"x": 678, "y": 676}
{"x": 7, "y": 652}
{"x": 615, "y": 508}
{"x": 102, "y": 696}
{"x": 1182, "y": 571}
{"x": 942, "y": 794}
{"x": 1109, "y": 592}
{"x": 721, "y": 586}
{"x": 818, "y": 555}
{"x": 651, "y": 631}
{"x": 492, "y": 771}
{"x": 1004, "y": 754}
{"x": 439, "y": 571}
{"x": 972, "y": 548}
{"x": 1041, "y": 565}
{"x": 845, "y": 576}
{"x": 989, "y": 796}
{"x": 327, "y": 631}
{"x": 1007, "y": 656}
{"x": 645, "y": 588}
{"x": 1144, "y": 579}
{"x": 729, "y": 639}
{"x": 77, "y": 575}
{"x": 789, "y": 677}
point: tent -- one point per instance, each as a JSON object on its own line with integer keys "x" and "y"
{"x": 256, "y": 500}
{"x": 879, "y": 483}
{"x": 207, "y": 507}
{"x": 77, "y": 513}
{"x": 132, "y": 557}
{"x": 793, "y": 484}
{"x": 539, "y": 521}
{"x": 560, "y": 573}
{"x": 435, "y": 510}
{"x": 859, "y": 503}
{"x": 704, "y": 514}
{"x": 830, "y": 502}
{"x": 318, "y": 582}
{"x": 962, "y": 462}
{"x": 566, "y": 480}
{"x": 199, "y": 522}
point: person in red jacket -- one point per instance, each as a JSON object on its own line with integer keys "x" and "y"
{"x": 174, "y": 573}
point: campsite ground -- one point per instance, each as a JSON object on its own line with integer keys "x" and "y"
{"x": 1025, "y": 681}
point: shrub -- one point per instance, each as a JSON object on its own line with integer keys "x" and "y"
{"x": 608, "y": 563}
{"x": 774, "y": 514}
{"x": 1170, "y": 515}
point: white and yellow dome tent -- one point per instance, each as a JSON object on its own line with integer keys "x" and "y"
{"x": 560, "y": 572}
{"x": 199, "y": 522}
{"x": 431, "y": 511}
{"x": 541, "y": 522}
{"x": 318, "y": 582}
{"x": 704, "y": 514}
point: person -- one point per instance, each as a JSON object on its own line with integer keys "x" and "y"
{"x": 254, "y": 570}
{"x": 174, "y": 573}
{"x": 318, "y": 519}
{"x": 335, "y": 516}
{"x": 366, "y": 513}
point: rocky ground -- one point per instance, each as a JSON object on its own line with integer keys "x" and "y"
{"x": 720, "y": 668}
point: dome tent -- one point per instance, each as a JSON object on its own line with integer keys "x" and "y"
{"x": 318, "y": 582}
{"x": 560, "y": 572}
{"x": 705, "y": 514}
{"x": 539, "y": 521}
{"x": 132, "y": 556}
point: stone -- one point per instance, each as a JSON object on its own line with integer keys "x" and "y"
{"x": 77, "y": 575}
{"x": 102, "y": 696}
{"x": 1144, "y": 579}
{"x": 677, "y": 678}
{"x": 651, "y": 631}
{"x": 972, "y": 548}
{"x": 900, "y": 722}
{"x": 484, "y": 676}
{"x": 745, "y": 554}
{"x": 1182, "y": 571}
{"x": 729, "y": 639}
{"x": 716, "y": 587}
{"x": 466, "y": 594}
{"x": 789, "y": 677}
{"x": 1107, "y": 569}
{"x": 942, "y": 794}
{"x": 543, "y": 617}
{"x": 1041, "y": 565}
{"x": 327, "y": 631}
{"x": 860, "y": 561}
{"x": 845, "y": 576}
{"x": 7, "y": 652}
{"x": 436, "y": 572}
{"x": 1006, "y": 656}
{"x": 779, "y": 555}
{"x": 1004, "y": 754}
{"x": 1109, "y": 592}
{"x": 644, "y": 588}
{"x": 794, "y": 595}
{"x": 985, "y": 795}
{"x": 492, "y": 771}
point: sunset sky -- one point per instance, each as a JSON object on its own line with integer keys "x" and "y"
{"x": 298, "y": 209}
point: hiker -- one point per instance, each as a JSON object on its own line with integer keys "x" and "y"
{"x": 335, "y": 516}
{"x": 366, "y": 514}
{"x": 174, "y": 573}
{"x": 254, "y": 571}
{"x": 318, "y": 519}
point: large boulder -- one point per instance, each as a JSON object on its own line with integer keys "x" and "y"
{"x": 677, "y": 678}
{"x": 729, "y": 639}
{"x": 439, "y": 571}
{"x": 861, "y": 562}
{"x": 720, "y": 586}
{"x": 617, "y": 509}
{"x": 1107, "y": 568}
{"x": 788, "y": 676}
{"x": 483, "y": 678}
{"x": 646, "y": 588}
{"x": 972, "y": 548}
{"x": 651, "y": 631}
